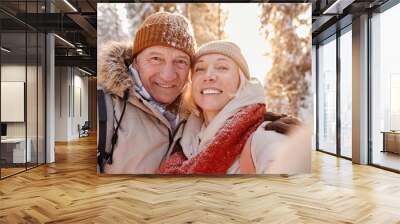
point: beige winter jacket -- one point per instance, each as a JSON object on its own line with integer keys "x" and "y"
{"x": 269, "y": 149}
{"x": 145, "y": 134}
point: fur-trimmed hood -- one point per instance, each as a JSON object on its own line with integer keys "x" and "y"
{"x": 114, "y": 61}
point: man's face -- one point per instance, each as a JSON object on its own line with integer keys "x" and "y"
{"x": 163, "y": 72}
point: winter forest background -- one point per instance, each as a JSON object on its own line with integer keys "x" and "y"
{"x": 275, "y": 39}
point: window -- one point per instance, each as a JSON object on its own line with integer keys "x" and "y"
{"x": 385, "y": 89}
{"x": 327, "y": 96}
{"x": 346, "y": 93}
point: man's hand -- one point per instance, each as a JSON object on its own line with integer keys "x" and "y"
{"x": 280, "y": 123}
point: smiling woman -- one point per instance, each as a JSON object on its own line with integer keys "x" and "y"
{"x": 215, "y": 81}
{"x": 225, "y": 134}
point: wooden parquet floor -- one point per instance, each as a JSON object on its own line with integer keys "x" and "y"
{"x": 10, "y": 171}
{"x": 69, "y": 191}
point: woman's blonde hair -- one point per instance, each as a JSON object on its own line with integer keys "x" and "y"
{"x": 188, "y": 105}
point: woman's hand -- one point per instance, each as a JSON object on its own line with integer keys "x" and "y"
{"x": 280, "y": 123}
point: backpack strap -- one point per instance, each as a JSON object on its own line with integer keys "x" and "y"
{"x": 102, "y": 130}
{"x": 105, "y": 147}
{"x": 115, "y": 134}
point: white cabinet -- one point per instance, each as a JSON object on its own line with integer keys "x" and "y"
{"x": 18, "y": 149}
{"x": 391, "y": 142}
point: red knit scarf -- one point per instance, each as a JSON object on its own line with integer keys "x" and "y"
{"x": 224, "y": 149}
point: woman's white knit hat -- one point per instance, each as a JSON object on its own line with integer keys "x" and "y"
{"x": 226, "y": 48}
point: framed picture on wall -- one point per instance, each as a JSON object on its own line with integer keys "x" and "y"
{"x": 182, "y": 88}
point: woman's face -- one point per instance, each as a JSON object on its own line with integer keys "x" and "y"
{"x": 215, "y": 80}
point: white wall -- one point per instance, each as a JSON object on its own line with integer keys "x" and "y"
{"x": 70, "y": 83}
{"x": 33, "y": 127}
{"x": 61, "y": 103}
{"x": 14, "y": 73}
{"x": 79, "y": 117}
